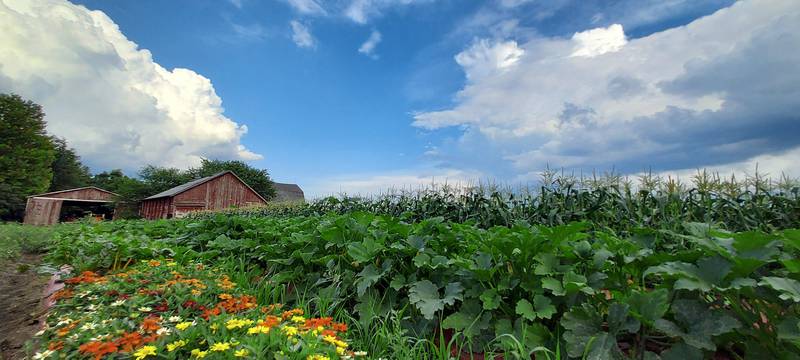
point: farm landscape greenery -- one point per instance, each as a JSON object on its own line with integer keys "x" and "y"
{"x": 567, "y": 272}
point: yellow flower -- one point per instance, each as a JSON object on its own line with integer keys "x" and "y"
{"x": 172, "y": 263}
{"x": 290, "y": 330}
{"x": 144, "y": 351}
{"x": 241, "y": 353}
{"x": 317, "y": 357}
{"x": 222, "y": 346}
{"x": 340, "y": 350}
{"x": 225, "y": 296}
{"x": 258, "y": 330}
{"x": 298, "y": 319}
{"x": 199, "y": 354}
{"x": 175, "y": 345}
{"x": 196, "y": 292}
{"x": 184, "y": 325}
{"x": 238, "y": 323}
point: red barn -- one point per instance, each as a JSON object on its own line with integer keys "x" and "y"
{"x": 214, "y": 192}
{"x": 50, "y": 208}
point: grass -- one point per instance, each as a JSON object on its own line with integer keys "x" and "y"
{"x": 18, "y": 238}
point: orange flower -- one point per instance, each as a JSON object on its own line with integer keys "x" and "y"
{"x": 289, "y": 313}
{"x": 317, "y": 322}
{"x": 55, "y": 345}
{"x": 154, "y": 263}
{"x": 270, "y": 321}
{"x": 66, "y": 329}
{"x": 150, "y": 324}
{"x": 339, "y": 327}
{"x": 63, "y": 294}
{"x": 225, "y": 296}
{"x": 98, "y": 348}
{"x": 86, "y": 277}
{"x": 129, "y": 341}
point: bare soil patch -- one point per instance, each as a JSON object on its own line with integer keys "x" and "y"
{"x": 21, "y": 293}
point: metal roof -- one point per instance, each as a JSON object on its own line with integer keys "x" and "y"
{"x": 75, "y": 189}
{"x": 286, "y": 192}
{"x": 183, "y": 187}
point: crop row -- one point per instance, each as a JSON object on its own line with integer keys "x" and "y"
{"x": 517, "y": 290}
{"x": 619, "y": 208}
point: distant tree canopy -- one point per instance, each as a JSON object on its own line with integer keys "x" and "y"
{"x": 26, "y": 154}
{"x": 32, "y": 162}
{"x": 68, "y": 171}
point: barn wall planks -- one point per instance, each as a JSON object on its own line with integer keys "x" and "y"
{"x": 40, "y": 211}
{"x": 220, "y": 192}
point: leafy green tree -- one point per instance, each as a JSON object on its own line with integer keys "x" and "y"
{"x": 258, "y": 179}
{"x": 130, "y": 191}
{"x": 26, "y": 154}
{"x": 68, "y": 171}
{"x": 158, "y": 179}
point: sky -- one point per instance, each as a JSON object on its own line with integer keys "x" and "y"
{"x": 358, "y": 96}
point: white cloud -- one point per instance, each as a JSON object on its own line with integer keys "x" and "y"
{"x": 599, "y": 41}
{"x": 301, "y": 35}
{"x": 360, "y": 11}
{"x": 307, "y": 7}
{"x": 704, "y": 94}
{"x": 107, "y": 97}
{"x": 237, "y": 3}
{"x": 252, "y": 32}
{"x": 401, "y": 180}
{"x": 368, "y": 47}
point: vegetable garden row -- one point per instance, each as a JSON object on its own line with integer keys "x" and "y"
{"x": 438, "y": 289}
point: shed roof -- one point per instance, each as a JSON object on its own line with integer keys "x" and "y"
{"x": 75, "y": 189}
{"x": 183, "y": 187}
{"x": 288, "y": 192}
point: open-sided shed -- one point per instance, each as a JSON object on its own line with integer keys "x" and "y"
{"x": 214, "y": 192}
{"x": 45, "y": 209}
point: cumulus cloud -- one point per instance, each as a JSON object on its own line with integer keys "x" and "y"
{"x": 717, "y": 91}
{"x": 301, "y": 35}
{"x": 107, "y": 97}
{"x": 307, "y": 7}
{"x": 368, "y": 47}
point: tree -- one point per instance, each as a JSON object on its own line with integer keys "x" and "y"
{"x": 68, "y": 171}
{"x": 130, "y": 191}
{"x": 158, "y": 179}
{"x": 26, "y": 154}
{"x": 258, "y": 179}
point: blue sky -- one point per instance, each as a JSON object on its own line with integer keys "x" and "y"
{"x": 453, "y": 90}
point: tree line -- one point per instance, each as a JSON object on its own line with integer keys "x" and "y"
{"x": 33, "y": 162}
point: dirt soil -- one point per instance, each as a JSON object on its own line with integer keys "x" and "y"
{"x": 21, "y": 293}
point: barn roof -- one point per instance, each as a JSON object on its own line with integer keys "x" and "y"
{"x": 286, "y": 192}
{"x": 183, "y": 187}
{"x": 75, "y": 189}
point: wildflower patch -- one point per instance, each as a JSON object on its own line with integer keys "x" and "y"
{"x": 161, "y": 309}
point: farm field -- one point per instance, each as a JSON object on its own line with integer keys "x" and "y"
{"x": 360, "y": 278}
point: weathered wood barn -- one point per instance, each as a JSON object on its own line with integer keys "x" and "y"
{"x": 46, "y": 209}
{"x": 214, "y": 192}
{"x": 288, "y": 192}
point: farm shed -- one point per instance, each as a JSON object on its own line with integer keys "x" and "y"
{"x": 50, "y": 208}
{"x": 288, "y": 192}
{"x": 214, "y": 192}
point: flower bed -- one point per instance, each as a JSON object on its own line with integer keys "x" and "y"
{"x": 161, "y": 309}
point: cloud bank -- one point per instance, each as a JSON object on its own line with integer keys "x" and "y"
{"x": 107, "y": 97}
{"x": 720, "y": 90}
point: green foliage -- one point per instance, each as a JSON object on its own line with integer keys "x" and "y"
{"x": 16, "y": 238}
{"x": 68, "y": 171}
{"x": 26, "y": 154}
{"x": 606, "y": 203}
{"x": 686, "y": 292}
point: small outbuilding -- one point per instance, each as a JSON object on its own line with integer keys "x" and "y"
{"x": 52, "y": 207}
{"x": 288, "y": 193}
{"x": 214, "y": 192}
